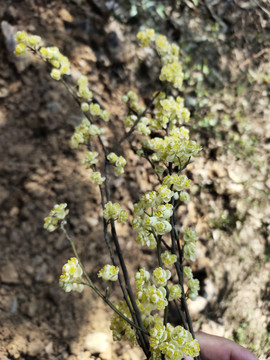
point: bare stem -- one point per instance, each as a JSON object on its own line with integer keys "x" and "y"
{"x": 139, "y": 118}
{"x": 128, "y": 285}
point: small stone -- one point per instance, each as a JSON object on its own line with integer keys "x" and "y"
{"x": 13, "y": 350}
{"x": 14, "y": 211}
{"x": 4, "y": 92}
{"x": 133, "y": 354}
{"x": 209, "y": 289}
{"x": 197, "y": 306}
{"x": 97, "y": 342}
{"x": 17, "y": 346}
{"x": 4, "y": 194}
{"x": 9, "y": 274}
{"x": 49, "y": 347}
{"x": 35, "y": 348}
{"x": 66, "y": 16}
{"x": 92, "y": 221}
{"x": 75, "y": 348}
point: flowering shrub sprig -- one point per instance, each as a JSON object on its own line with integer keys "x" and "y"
{"x": 142, "y": 317}
{"x": 58, "y": 213}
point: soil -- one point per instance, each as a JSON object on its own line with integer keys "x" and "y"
{"x": 229, "y": 205}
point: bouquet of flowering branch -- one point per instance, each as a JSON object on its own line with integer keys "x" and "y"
{"x": 141, "y": 317}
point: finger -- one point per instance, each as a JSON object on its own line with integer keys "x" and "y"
{"x": 215, "y": 347}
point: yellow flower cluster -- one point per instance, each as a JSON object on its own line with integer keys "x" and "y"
{"x": 171, "y": 70}
{"x": 156, "y": 222}
{"x": 142, "y": 278}
{"x": 129, "y": 120}
{"x": 97, "y": 178}
{"x": 161, "y": 276}
{"x": 168, "y": 258}
{"x": 84, "y": 132}
{"x": 109, "y": 273}
{"x": 115, "y": 212}
{"x": 152, "y": 298}
{"x": 190, "y": 252}
{"x": 175, "y": 148}
{"x": 142, "y": 126}
{"x": 131, "y": 99}
{"x": 188, "y": 272}
{"x": 58, "y": 213}
{"x": 120, "y": 328}
{"x": 177, "y": 182}
{"x": 71, "y": 277}
{"x": 145, "y": 37}
{"x": 60, "y": 63}
{"x": 23, "y": 40}
{"x": 172, "y": 73}
{"x": 190, "y": 236}
{"x": 119, "y": 163}
{"x": 90, "y": 159}
{"x": 175, "y": 291}
{"x": 173, "y": 342}
{"x": 84, "y": 92}
{"x": 193, "y": 288}
{"x": 169, "y": 110}
{"x": 184, "y": 196}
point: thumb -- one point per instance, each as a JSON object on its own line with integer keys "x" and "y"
{"x": 215, "y": 347}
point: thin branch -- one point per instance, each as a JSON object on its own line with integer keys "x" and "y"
{"x": 139, "y": 118}
{"x": 128, "y": 285}
{"x": 92, "y": 286}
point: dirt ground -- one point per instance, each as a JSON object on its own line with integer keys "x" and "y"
{"x": 226, "y": 55}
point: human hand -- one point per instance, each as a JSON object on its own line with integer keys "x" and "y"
{"x": 218, "y": 348}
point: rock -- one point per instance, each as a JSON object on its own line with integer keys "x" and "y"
{"x": 35, "y": 348}
{"x": 4, "y": 194}
{"x": 66, "y": 16}
{"x": 35, "y": 189}
{"x": 9, "y": 274}
{"x": 97, "y": 342}
{"x": 92, "y": 221}
{"x": 133, "y": 354}
{"x": 107, "y": 355}
{"x": 197, "y": 306}
{"x": 17, "y": 346}
{"x": 4, "y": 92}
{"x": 209, "y": 289}
{"x": 49, "y": 348}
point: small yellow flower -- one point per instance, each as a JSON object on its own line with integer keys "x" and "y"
{"x": 71, "y": 277}
{"x": 56, "y": 74}
{"x": 20, "y": 49}
{"x": 59, "y": 212}
{"x": 21, "y": 37}
{"x": 109, "y": 273}
{"x": 97, "y": 178}
{"x": 33, "y": 40}
{"x": 161, "y": 276}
